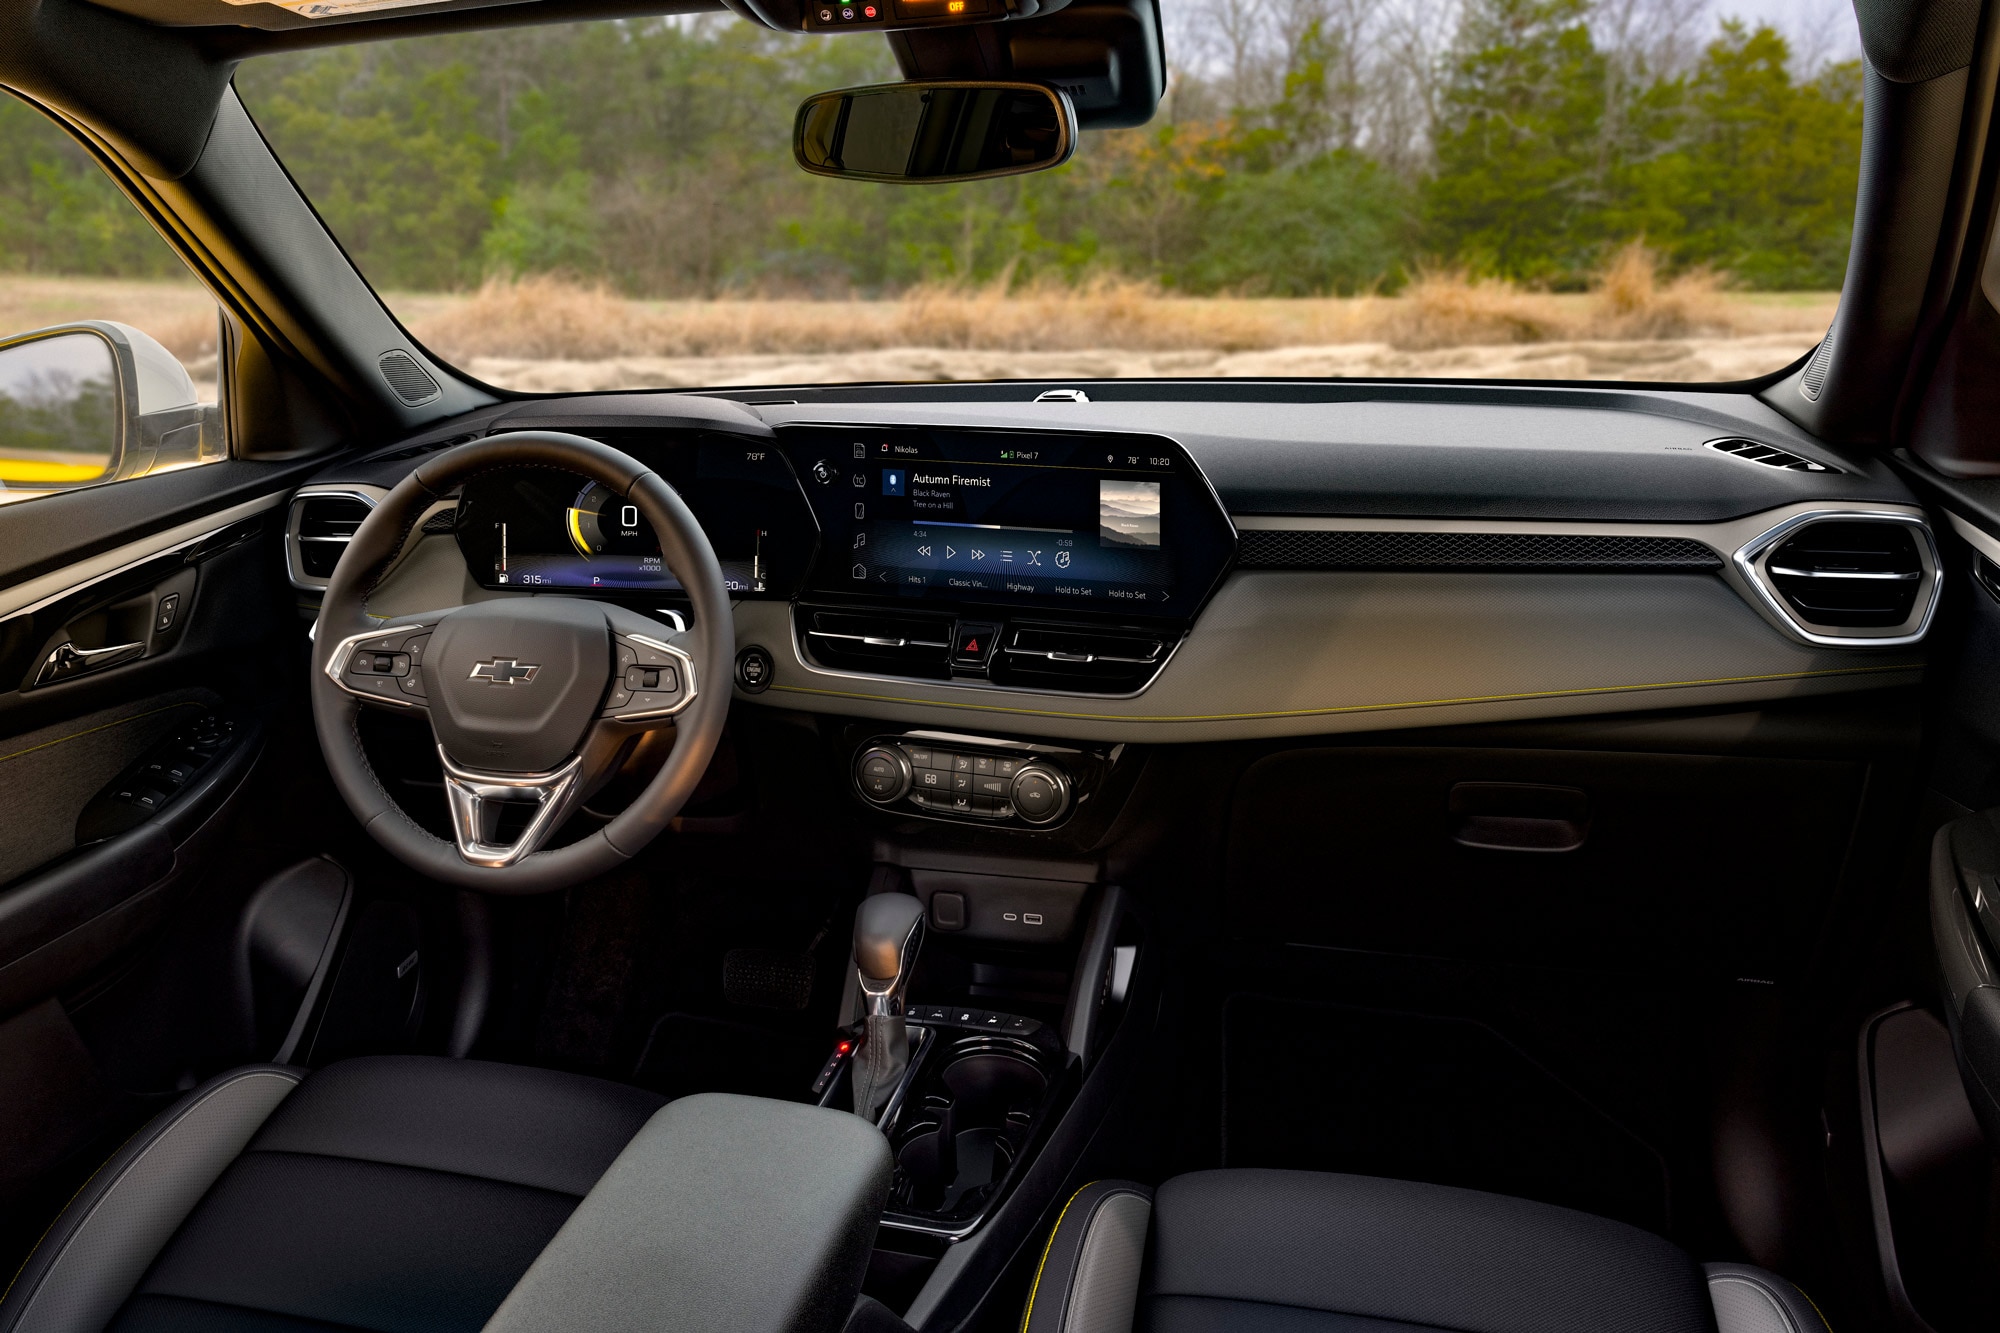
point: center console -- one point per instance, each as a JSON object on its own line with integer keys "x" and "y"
{"x": 965, "y": 1093}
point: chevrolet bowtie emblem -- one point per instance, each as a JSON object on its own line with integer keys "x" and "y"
{"x": 505, "y": 671}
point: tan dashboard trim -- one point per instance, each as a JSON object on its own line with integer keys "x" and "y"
{"x": 1575, "y": 692}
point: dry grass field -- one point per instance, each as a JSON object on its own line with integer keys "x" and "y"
{"x": 544, "y": 334}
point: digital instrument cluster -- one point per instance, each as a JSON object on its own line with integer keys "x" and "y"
{"x": 541, "y": 528}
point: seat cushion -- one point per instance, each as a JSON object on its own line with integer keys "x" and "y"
{"x": 401, "y": 1194}
{"x": 1306, "y": 1252}
{"x": 389, "y": 1193}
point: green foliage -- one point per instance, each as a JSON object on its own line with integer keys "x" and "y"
{"x": 654, "y": 155}
{"x": 1338, "y": 220}
{"x": 59, "y": 212}
{"x": 1517, "y": 159}
{"x": 1766, "y": 186}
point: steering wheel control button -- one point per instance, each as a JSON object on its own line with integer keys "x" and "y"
{"x": 1039, "y": 793}
{"x": 653, "y": 679}
{"x": 883, "y": 774}
{"x": 754, "y": 670}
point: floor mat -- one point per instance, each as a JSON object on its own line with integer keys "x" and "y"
{"x": 1414, "y": 1097}
{"x": 690, "y": 1053}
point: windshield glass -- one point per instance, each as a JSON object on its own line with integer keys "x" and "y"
{"x": 1525, "y": 189}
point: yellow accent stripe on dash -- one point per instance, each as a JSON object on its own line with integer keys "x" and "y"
{"x": 88, "y": 731}
{"x": 1029, "y": 1313}
{"x": 1346, "y": 708}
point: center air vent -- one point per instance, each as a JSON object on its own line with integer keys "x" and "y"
{"x": 1752, "y": 451}
{"x": 318, "y": 531}
{"x": 893, "y": 643}
{"x": 1845, "y": 579}
{"x": 1065, "y": 657}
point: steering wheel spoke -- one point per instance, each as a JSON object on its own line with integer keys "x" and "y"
{"x": 480, "y": 802}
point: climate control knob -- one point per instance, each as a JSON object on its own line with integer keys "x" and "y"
{"x": 1040, "y": 793}
{"x": 882, "y": 774}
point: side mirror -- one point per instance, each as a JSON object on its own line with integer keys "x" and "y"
{"x": 934, "y": 132}
{"x": 95, "y": 401}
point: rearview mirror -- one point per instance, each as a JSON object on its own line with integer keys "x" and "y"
{"x": 934, "y": 132}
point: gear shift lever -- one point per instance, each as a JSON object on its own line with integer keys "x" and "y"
{"x": 888, "y": 929}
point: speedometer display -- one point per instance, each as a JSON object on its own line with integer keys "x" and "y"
{"x": 541, "y": 528}
{"x": 608, "y": 532}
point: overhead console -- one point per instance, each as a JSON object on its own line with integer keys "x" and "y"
{"x": 1046, "y": 559}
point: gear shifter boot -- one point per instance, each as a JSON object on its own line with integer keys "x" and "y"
{"x": 879, "y": 1064}
{"x": 888, "y": 928}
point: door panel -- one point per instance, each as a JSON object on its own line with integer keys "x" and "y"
{"x": 49, "y": 775}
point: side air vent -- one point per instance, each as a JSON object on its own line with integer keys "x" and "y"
{"x": 1754, "y": 452}
{"x": 318, "y": 530}
{"x": 890, "y": 643}
{"x": 1841, "y": 579}
{"x": 1064, "y": 657}
{"x": 411, "y": 381}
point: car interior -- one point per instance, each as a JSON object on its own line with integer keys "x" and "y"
{"x": 1170, "y": 854}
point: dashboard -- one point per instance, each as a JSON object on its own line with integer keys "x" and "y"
{"x": 1210, "y": 561}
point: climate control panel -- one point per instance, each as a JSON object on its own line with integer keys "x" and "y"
{"x": 995, "y": 782}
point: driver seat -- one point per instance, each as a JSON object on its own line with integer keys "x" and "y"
{"x": 400, "y": 1194}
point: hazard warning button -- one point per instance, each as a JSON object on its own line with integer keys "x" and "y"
{"x": 972, "y": 646}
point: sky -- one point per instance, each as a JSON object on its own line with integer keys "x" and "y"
{"x": 1805, "y": 21}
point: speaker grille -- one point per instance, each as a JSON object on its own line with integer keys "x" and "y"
{"x": 1813, "y": 379}
{"x": 407, "y": 378}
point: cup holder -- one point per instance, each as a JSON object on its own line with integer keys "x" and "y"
{"x": 972, "y": 1117}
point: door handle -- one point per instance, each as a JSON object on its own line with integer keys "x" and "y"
{"x": 66, "y": 660}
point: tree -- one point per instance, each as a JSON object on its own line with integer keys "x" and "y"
{"x": 1766, "y": 185}
{"x": 1517, "y": 142}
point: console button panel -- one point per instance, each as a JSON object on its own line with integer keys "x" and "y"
{"x": 1000, "y": 782}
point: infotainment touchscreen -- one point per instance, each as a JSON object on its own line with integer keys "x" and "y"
{"x": 1111, "y": 521}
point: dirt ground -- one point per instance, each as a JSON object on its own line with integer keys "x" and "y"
{"x": 1679, "y": 360}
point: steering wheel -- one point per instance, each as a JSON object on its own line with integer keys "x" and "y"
{"x": 532, "y": 700}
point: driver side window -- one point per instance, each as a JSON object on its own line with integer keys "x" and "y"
{"x": 108, "y": 346}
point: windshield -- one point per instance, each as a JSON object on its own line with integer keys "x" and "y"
{"x": 1525, "y": 189}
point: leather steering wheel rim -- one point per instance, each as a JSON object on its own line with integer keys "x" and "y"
{"x": 698, "y": 726}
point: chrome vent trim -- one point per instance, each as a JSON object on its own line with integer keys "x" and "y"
{"x": 896, "y": 643}
{"x": 1756, "y": 563}
{"x": 1093, "y": 659}
{"x": 1756, "y": 451}
{"x": 331, "y": 532}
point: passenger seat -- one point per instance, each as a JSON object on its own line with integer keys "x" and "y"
{"x": 1306, "y": 1252}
